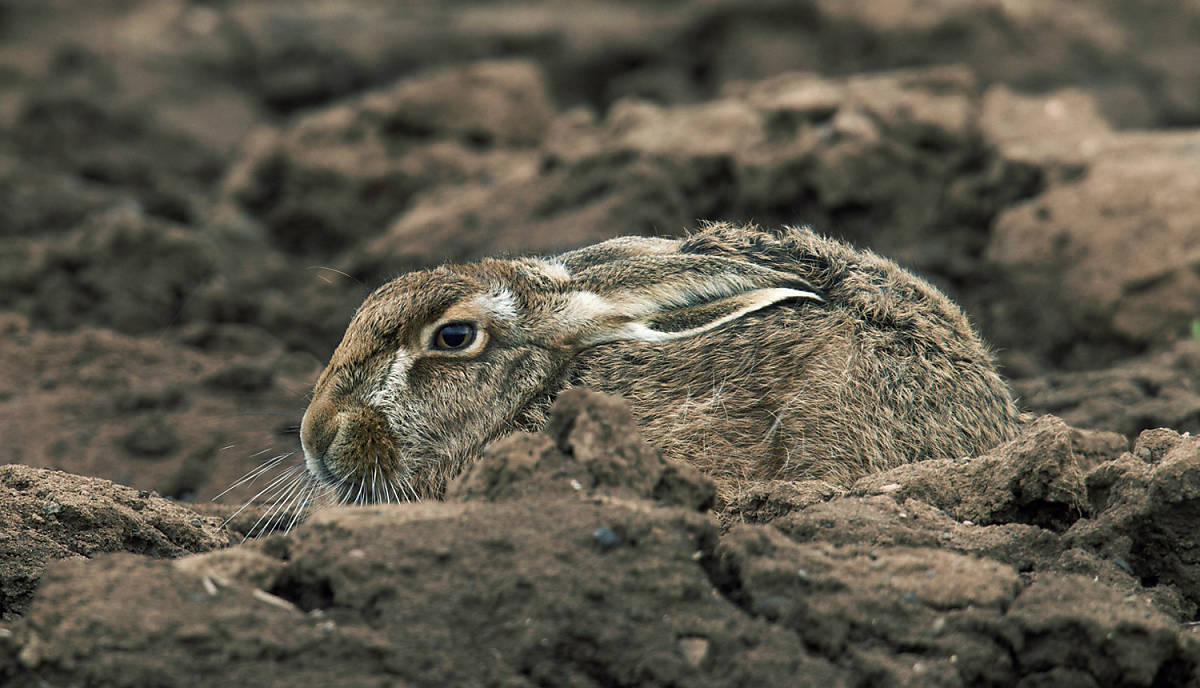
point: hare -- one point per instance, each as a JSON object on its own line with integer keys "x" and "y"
{"x": 749, "y": 354}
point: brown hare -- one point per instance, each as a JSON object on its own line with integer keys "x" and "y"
{"x": 749, "y": 354}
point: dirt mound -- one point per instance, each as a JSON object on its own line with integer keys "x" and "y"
{"x": 881, "y": 159}
{"x": 265, "y": 55}
{"x": 1159, "y": 390}
{"x": 1089, "y": 294}
{"x": 579, "y": 557}
{"x": 52, "y": 515}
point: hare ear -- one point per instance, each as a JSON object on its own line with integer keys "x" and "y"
{"x": 666, "y": 297}
{"x": 620, "y": 248}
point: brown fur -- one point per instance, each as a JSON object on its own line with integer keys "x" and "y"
{"x": 836, "y": 362}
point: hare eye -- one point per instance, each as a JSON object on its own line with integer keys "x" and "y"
{"x": 453, "y": 336}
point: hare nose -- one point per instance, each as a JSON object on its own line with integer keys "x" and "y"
{"x": 318, "y": 428}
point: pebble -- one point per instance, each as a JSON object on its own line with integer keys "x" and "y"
{"x": 264, "y": 596}
{"x": 773, "y": 608}
{"x": 606, "y": 538}
{"x": 1123, "y": 565}
{"x": 694, "y": 649}
{"x": 209, "y": 586}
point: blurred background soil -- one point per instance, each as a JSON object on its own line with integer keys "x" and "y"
{"x": 194, "y": 197}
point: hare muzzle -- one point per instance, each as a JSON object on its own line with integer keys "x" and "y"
{"x": 345, "y": 443}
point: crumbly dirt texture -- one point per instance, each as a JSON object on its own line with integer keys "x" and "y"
{"x": 194, "y": 197}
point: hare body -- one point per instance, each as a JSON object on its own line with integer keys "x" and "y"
{"x": 749, "y": 354}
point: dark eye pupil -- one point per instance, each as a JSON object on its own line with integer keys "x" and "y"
{"x": 454, "y": 336}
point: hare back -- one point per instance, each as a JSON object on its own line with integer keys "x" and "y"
{"x": 886, "y": 370}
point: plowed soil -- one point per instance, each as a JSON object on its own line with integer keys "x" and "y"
{"x": 195, "y": 196}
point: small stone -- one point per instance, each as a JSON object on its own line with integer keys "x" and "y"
{"x": 694, "y": 649}
{"x": 576, "y": 485}
{"x": 196, "y": 522}
{"x": 1123, "y": 565}
{"x": 30, "y": 656}
{"x": 52, "y": 508}
{"x": 209, "y": 586}
{"x": 606, "y": 538}
{"x": 773, "y": 608}
{"x": 264, "y": 596}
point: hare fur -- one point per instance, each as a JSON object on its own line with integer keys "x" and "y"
{"x": 749, "y": 354}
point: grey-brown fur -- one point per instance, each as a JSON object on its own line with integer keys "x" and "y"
{"x": 838, "y": 363}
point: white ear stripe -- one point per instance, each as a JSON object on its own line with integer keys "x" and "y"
{"x": 753, "y": 301}
{"x": 582, "y": 307}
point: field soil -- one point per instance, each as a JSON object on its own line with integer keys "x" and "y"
{"x": 195, "y": 196}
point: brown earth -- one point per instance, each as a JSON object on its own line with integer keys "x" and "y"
{"x": 195, "y": 196}
{"x": 578, "y": 557}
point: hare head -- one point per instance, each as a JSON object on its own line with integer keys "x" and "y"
{"x": 719, "y": 340}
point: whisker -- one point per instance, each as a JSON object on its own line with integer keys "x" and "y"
{"x": 374, "y": 478}
{"x": 362, "y": 484}
{"x": 296, "y": 506}
{"x": 254, "y": 473}
{"x": 303, "y": 505}
{"x": 407, "y": 486}
{"x": 287, "y": 473}
{"x": 290, "y": 504}
{"x": 280, "y": 501}
{"x": 335, "y": 270}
